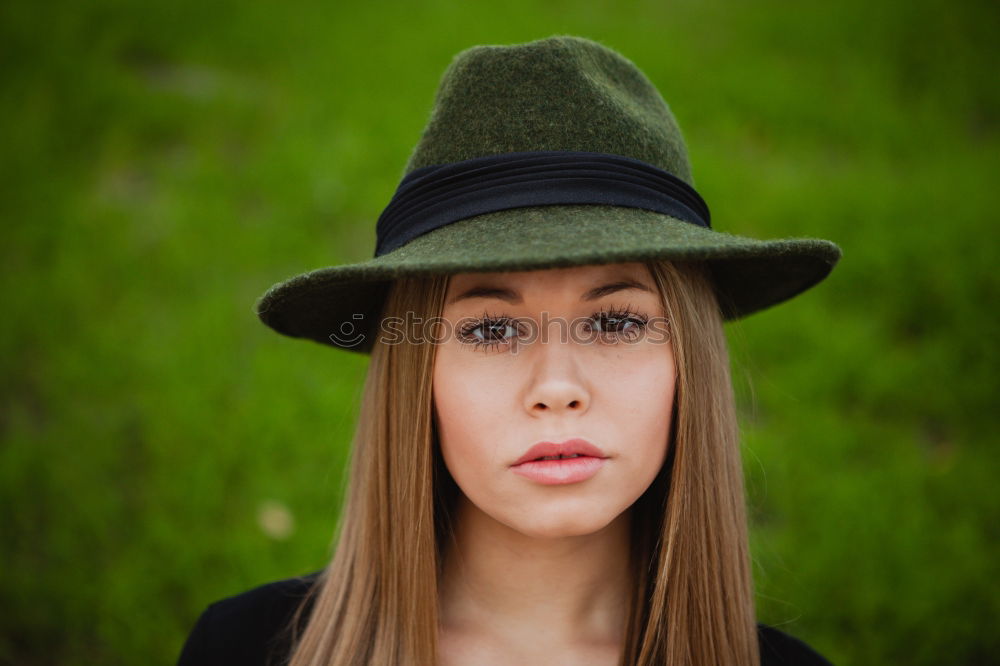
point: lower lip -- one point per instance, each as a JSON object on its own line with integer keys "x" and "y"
{"x": 566, "y": 470}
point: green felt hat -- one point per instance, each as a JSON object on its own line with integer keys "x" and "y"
{"x": 557, "y": 152}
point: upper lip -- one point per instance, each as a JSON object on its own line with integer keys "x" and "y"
{"x": 567, "y": 448}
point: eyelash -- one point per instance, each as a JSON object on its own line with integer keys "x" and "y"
{"x": 496, "y": 320}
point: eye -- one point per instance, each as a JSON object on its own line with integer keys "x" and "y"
{"x": 618, "y": 324}
{"x": 488, "y": 332}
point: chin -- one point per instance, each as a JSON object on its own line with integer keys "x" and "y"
{"x": 558, "y": 524}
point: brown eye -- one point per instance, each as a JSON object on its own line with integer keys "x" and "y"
{"x": 619, "y": 324}
{"x": 489, "y": 332}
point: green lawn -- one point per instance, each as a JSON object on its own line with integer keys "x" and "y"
{"x": 163, "y": 163}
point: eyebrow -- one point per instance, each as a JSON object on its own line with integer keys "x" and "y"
{"x": 514, "y": 298}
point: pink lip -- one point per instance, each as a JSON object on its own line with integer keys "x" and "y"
{"x": 567, "y": 448}
{"x": 568, "y": 470}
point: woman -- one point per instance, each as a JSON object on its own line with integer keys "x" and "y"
{"x": 546, "y": 467}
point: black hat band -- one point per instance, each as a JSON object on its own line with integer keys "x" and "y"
{"x": 437, "y": 195}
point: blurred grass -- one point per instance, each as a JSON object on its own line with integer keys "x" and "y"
{"x": 164, "y": 163}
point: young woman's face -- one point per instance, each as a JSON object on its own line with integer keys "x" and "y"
{"x": 601, "y": 375}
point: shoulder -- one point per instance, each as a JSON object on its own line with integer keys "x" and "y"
{"x": 248, "y": 627}
{"x": 780, "y": 649}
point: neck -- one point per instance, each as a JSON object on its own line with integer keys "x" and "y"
{"x": 498, "y": 580}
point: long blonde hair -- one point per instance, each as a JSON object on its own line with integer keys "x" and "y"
{"x": 692, "y": 601}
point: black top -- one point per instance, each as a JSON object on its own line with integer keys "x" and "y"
{"x": 247, "y": 628}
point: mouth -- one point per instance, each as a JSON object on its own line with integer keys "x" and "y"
{"x": 550, "y": 464}
{"x": 570, "y": 449}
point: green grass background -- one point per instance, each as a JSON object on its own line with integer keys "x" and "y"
{"x": 164, "y": 162}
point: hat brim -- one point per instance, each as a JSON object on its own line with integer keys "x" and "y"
{"x": 341, "y": 305}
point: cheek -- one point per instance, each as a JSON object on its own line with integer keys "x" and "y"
{"x": 469, "y": 411}
{"x": 642, "y": 403}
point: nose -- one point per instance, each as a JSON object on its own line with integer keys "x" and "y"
{"x": 556, "y": 383}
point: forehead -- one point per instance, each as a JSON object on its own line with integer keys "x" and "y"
{"x": 573, "y": 278}
{"x": 584, "y": 275}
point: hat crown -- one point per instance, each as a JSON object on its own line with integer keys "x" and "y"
{"x": 560, "y": 93}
